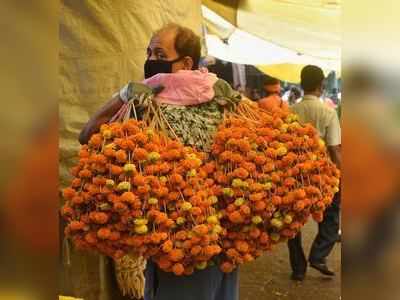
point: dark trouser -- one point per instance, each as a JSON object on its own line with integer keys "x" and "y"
{"x": 208, "y": 284}
{"x": 323, "y": 243}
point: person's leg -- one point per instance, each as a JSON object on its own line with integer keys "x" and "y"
{"x": 327, "y": 233}
{"x": 202, "y": 284}
{"x": 297, "y": 257}
{"x": 229, "y": 288}
{"x": 150, "y": 286}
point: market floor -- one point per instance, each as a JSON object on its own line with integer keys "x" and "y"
{"x": 268, "y": 278}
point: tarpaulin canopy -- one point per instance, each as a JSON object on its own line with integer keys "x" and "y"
{"x": 275, "y": 35}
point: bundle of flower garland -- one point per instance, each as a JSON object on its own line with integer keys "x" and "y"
{"x": 136, "y": 191}
{"x": 274, "y": 173}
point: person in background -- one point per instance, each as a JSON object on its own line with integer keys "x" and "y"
{"x": 294, "y": 95}
{"x": 272, "y": 88}
{"x": 325, "y": 120}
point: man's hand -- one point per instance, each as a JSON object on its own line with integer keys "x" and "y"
{"x": 335, "y": 154}
{"x": 113, "y": 106}
{"x": 99, "y": 118}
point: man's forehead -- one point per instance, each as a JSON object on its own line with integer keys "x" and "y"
{"x": 164, "y": 39}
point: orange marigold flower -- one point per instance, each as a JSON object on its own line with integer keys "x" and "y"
{"x": 112, "y": 198}
{"x": 241, "y": 246}
{"x": 85, "y": 173}
{"x": 173, "y": 145}
{"x": 115, "y": 236}
{"x": 176, "y": 255}
{"x": 141, "y": 138}
{"x": 84, "y": 153}
{"x": 130, "y": 128}
{"x": 178, "y": 269}
{"x": 260, "y": 160}
{"x": 173, "y": 196}
{"x": 98, "y": 217}
{"x": 289, "y": 182}
{"x": 99, "y": 180}
{"x": 96, "y": 140}
{"x": 69, "y": 193}
{"x": 209, "y": 167}
{"x": 151, "y": 169}
{"x": 255, "y": 232}
{"x": 230, "y": 208}
{"x": 104, "y": 233}
{"x": 152, "y": 147}
{"x": 67, "y": 211}
{"x": 77, "y": 200}
{"x": 161, "y": 218}
{"x": 181, "y": 235}
{"x": 250, "y": 167}
{"x": 300, "y": 193}
{"x": 91, "y": 238}
{"x": 139, "y": 180}
{"x": 257, "y": 196}
{"x": 259, "y": 205}
{"x": 264, "y": 238}
{"x": 237, "y": 158}
{"x": 276, "y": 200}
{"x": 188, "y": 192}
{"x": 121, "y": 156}
{"x": 227, "y": 267}
{"x": 167, "y": 246}
{"x": 164, "y": 263}
{"x": 236, "y": 217}
{"x": 318, "y": 216}
{"x": 120, "y": 207}
{"x": 76, "y": 225}
{"x": 116, "y": 170}
{"x": 75, "y": 171}
{"x": 161, "y": 192}
{"x": 109, "y": 152}
{"x": 241, "y": 173}
{"x": 140, "y": 154}
{"x": 128, "y": 197}
{"x": 245, "y": 210}
{"x": 196, "y": 250}
{"x": 165, "y": 168}
{"x": 143, "y": 189}
{"x": 271, "y": 152}
{"x": 175, "y": 178}
{"x": 187, "y": 245}
{"x": 275, "y": 177}
{"x": 226, "y": 156}
{"x": 244, "y": 145}
{"x": 201, "y": 229}
{"x": 299, "y": 205}
{"x": 295, "y": 225}
{"x": 196, "y": 211}
{"x": 232, "y": 253}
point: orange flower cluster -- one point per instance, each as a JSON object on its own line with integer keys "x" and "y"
{"x": 274, "y": 173}
{"x": 137, "y": 191}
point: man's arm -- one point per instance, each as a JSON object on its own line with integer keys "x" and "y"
{"x": 100, "y": 117}
{"x": 333, "y": 139}
{"x": 336, "y": 155}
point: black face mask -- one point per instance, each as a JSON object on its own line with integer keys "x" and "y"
{"x": 153, "y": 67}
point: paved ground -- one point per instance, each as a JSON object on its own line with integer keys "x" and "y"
{"x": 268, "y": 278}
